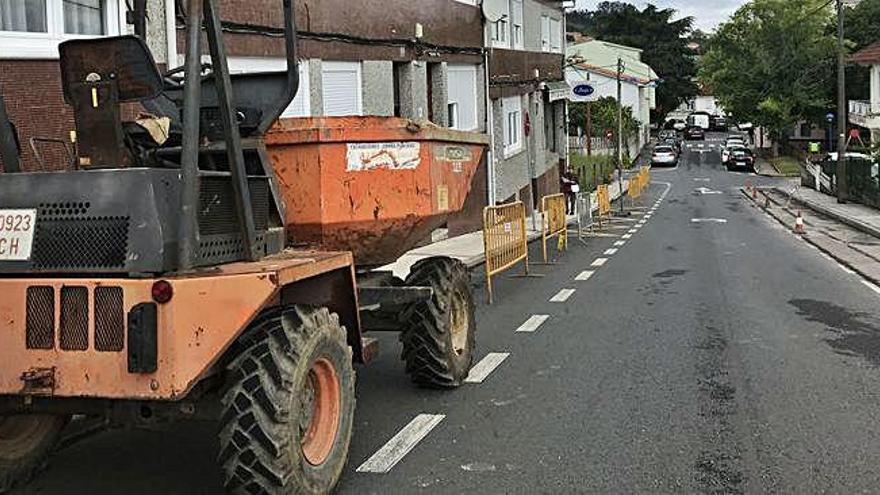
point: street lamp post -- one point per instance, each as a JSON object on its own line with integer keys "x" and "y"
{"x": 841, "y": 109}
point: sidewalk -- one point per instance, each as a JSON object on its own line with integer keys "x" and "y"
{"x": 860, "y": 217}
{"x": 469, "y": 247}
{"x": 765, "y": 168}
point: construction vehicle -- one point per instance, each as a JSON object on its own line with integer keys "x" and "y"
{"x": 161, "y": 276}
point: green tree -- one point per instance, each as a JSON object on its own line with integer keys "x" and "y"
{"x": 771, "y": 64}
{"x": 603, "y": 114}
{"x": 862, "y": 29}
{"x": 663, "y": 41}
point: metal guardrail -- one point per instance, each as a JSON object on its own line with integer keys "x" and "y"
{"x": 584, "y": 212}
{"x": 505, "y": 240}
{"x": 555, "y": 223}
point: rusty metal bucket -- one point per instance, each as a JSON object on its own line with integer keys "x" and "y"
{"x": 375, "y": 186}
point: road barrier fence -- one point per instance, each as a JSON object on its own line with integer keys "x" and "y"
{"x": 584, "y": 212}
{"x": 505, "y": 239}
{"x": 554, "y": 222}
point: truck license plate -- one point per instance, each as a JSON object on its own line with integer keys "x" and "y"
{"x": 17, "y": 234}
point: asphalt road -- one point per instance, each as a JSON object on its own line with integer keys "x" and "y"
{"x": 713, "y": 351}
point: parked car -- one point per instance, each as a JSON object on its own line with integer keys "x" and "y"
{"x": 741, "y": 158}
{"x": 664, "y": 155}
{"x": 695, "y": 133}
{"x": 718, "y": 123}
{"x": 731, "y": 142}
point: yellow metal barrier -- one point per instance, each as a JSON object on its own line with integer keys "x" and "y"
{"x": 603, "y": 198}
{"x": 635, "y": 186}
{"x": 504, "y": 239}
{"x": 555, "y": 224}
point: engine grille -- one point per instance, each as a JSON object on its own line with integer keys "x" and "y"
{"x": 109, "y": 319}
{"x": 74, "y": 318}
{"x": 74, "y": 335}
{"x": 74, "y": 241}
{"x": 40, "y": 318}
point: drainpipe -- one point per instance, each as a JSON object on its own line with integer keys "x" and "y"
{"x": 170, "y": 35}
{"x": 490, "y": 121}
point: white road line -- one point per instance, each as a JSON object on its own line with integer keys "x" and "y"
{"x": 642, "y": 222}
{"x": 401, "y": 444}
{"x": 487, "y": 365}
{"x": 871, "y": 286}
{"x": 626, "y": 236}
{"x": 562, "y": 296}
{"x": 584, "y": 275}
{"x": 649, "y": 215}
{"x": 708, "y": 220}
{"x": 599, "y": 262}
{"x": 845, "y": 269}
{"x": 631, "y": 231}
{"x": 619, "y": 243}
{"x": 532, "y": 323}
{"x": 610, "y": 252}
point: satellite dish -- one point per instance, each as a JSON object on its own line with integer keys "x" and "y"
{"x": 494, "y": 10}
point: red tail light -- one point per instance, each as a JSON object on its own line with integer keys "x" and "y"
{"x": 162, "y": 291}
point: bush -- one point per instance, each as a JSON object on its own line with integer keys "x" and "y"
{"x": 585, "y": 166}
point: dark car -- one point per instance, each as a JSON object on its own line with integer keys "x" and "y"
{"x": 674, "y": 142}
{"x": 741, "y": 158}
{"x": 695, "y": 133}
{"x": 718, "y": 123}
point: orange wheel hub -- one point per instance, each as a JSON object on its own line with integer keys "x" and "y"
{"x": 321, "y": 403}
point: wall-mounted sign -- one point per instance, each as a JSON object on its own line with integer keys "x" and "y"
{"x": 583, "y": 90}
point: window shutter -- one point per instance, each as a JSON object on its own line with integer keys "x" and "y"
{"x": 341, "y": 88}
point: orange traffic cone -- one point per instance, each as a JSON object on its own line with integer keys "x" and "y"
{"x": 799, "y": 224}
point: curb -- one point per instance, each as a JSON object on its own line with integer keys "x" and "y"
{"x": 806, "y": 238}
{"x": 856, "y": 224}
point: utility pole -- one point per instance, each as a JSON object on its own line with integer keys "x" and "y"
{"x": 589, "y": 129}
{"x": 842, "y": 189}
{"x": 620, "y": 132}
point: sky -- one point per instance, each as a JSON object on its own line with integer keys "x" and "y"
{"x": 706, "y": 13}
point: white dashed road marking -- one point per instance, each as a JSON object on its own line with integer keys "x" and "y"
{"x": 562, "y": 296}
{"x": 600, "y": 262}
{"x": 619, "y": 243}
{"x": 626, "y": 236}
{"x": 708, "y": 220}
{"x": 401, "y": 444}
{"x": 610, "y": 252}
{"x": 487, "y": 365}
{"x": 584, "y": 275}
{"x": 871, "y": 286}
{"x": 532, "y": 323}
{"x": 632, "y": 231}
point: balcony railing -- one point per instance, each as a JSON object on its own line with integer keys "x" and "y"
{"x": 862, "y": 108}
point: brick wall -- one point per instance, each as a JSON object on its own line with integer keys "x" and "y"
{"x": 32, "y": 92}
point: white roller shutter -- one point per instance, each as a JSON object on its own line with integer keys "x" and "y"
{"x": 341, "y": 88}
{"x": 462, "y": 88}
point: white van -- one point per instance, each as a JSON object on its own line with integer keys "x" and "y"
{"x": 700, "y": 120}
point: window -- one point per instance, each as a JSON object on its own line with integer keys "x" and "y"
{"x": 513, "y": 125}
{"x": 516, "y": 15}
{"x": 299, "y": 107}
{"x": 462, "y": 94}
{"x": 545, "y": 34}
{"x": 806, "y": 129}
{"x": 501, "y": 28}
{"x": 555, "y": 36}
{"x": 341, "y": 90}
{"x": 84, "y": 17}
{"x": 23, "y": 15}
{"x": 34, "y": 28}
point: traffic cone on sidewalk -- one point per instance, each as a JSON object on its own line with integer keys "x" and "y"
{"x": 799, "y": 224}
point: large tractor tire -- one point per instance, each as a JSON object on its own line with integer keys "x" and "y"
{"x": 438, "y": 335}
{"x": 288, "y": 405}
{"x": 26, "y": 440}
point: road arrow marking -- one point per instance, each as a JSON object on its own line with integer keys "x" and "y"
{"x": 706, "y": 190}
{"x": 708, "y": 220}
